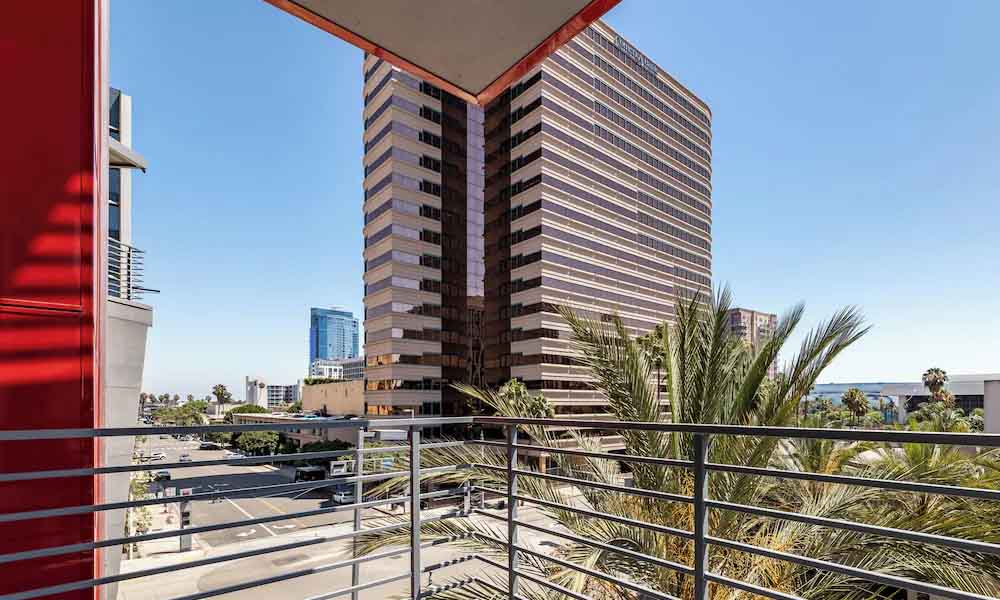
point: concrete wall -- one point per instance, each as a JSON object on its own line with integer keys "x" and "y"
{"x": 991, "y": 405}
{"x": 128, "y": 324}
{"x": 338, "y": 398}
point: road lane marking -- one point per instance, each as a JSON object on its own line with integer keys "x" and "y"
{"x": 249, "y": 516}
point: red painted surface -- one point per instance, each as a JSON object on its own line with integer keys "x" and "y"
{"x": 48, "y": 314}
{"x": 590, "y": 13}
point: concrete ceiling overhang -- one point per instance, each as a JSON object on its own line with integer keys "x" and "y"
{"x": 472, "y": 48}
{"x": 120, "y": 155}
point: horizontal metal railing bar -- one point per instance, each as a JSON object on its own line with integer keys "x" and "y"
{"x": 159, "y": 466}
{"x": 481, "y": 488}
{"x": 405, "y": 422}
{"x": 609, "y": 517}
{"x": 430, "y": 446}
{"x": 635, "y": 587}
{"x": 72, "y": 548}
{"x": 666, "y": 564}
{"x": 534, "y": 579}
{"x": 65, "y": 434}
{"x": 667, "y": 462}
{"x": 888, "y": 484}
{"x": 889, "y": 532}
{"x": 90, "y": 583}
{"x": 304, "y": 572}
{"x": 749, "y": 587}
{"x": 320, "y": 423}
{"x": 282, "y": 487}
{"x": 594, "y": 484}
{"x": 360, "y": 587}
{"x": 864, "y": 435}
{"x": 250, "y": 460}
{"x": 891, "y": 436}
{"x": 881, "y": 578}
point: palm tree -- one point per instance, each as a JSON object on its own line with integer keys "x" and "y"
{"x": 222, "y": 395}
{"x": 856, "y": 401}
{"x": 934, "y": 380}
{"x": 710, "y": 377}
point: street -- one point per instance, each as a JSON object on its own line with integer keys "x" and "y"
{"x": 221, "y": 478}
{"x": 239, "y": 539}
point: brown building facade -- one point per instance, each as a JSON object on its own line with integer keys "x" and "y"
{"x": 587, "y": 184}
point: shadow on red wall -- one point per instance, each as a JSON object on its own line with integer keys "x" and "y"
{"x": 47, "y": 309}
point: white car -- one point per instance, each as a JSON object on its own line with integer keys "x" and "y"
{"x": 231, "y": 454}
{"x": 158, "y": 456}
{"x": 344, "y": 496}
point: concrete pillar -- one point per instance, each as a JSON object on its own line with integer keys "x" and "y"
{"x": 991, "y": 404}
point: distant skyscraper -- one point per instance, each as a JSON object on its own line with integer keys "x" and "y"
{"x": 754, "y": 328}
{"x": 333, "y": 333}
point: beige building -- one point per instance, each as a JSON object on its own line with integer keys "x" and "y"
{"x": 336, "y": 398}
{"x": 587, "y": 184}
{"x": 303, "y": 435}
{"x": 754, "y": 328}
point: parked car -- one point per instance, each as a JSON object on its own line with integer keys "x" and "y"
{"x": 158, "y": 456}
{"x": 184, "y": 458}
{"x": 344, "y": 496}
{"x": 310, "y": 474}
{"x": 161, "y": 476}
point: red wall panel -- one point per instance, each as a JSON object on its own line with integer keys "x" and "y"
{"x": 49, "y": 333}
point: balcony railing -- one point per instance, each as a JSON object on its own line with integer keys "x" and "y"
{"x": 126, "y": 267}
{"x": 466, "y": 501}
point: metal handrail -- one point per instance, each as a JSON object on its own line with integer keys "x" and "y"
{"x": 700, "y": 466}
{"x": 126, "y": 267}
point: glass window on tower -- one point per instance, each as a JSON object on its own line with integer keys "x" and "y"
{"x": 115, "y": 119}
{"x": 114, "y": 201}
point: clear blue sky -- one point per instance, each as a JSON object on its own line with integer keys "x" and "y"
{"x": 856, "y": 160}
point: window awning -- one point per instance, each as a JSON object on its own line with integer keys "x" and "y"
{"x": 120, "y": 155}
{"x": 471, "y": 48}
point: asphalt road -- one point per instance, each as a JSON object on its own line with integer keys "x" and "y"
{"x": 239, "y": 507}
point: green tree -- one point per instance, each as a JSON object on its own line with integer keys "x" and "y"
{"x": 294, "y": 407}
{"x": 935, "y": 379}
{"x": 245, "y": 408}
{"x": 199, "y": 406}
{"x": 222, "y": 395}
{"x": 256, "y": 443}
{"x": 856, "y": 402}
{"x": 710, "y": 377}
{"x": 824, "y": 404}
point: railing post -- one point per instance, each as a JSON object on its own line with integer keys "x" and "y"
{"x": 512, "y": 579}
{"x": 359, "y": 493}
{"x": 700, "y": 516}
{"x": 415, "y": 566}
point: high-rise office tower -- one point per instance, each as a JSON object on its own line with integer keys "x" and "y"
{"x": 423, "y": 243}
{"x": 333, "y": 334}
{"x": 754, "y": 328}
{"x": 596, "y": 195}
